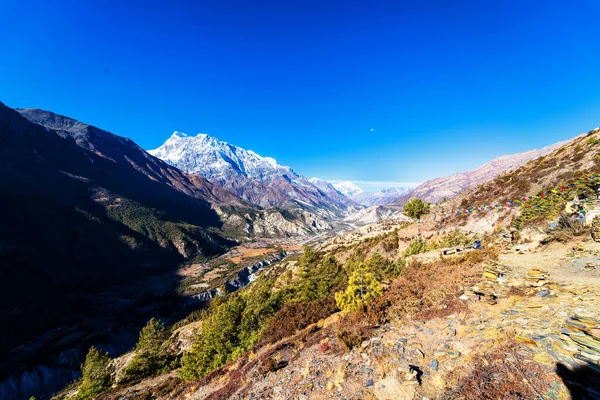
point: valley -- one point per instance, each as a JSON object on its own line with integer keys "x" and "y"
{"x": 247, "y": 269}
{"x": 282, "y": 200}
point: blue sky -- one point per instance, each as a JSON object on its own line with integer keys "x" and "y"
{"x": 444, "y": 85}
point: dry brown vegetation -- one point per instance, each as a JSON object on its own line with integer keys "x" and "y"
{"x": 424, "y": 292}
{"x": 564, "y": 165}
{"x": 499, "y": 373}
{"x": 296, "y": 316}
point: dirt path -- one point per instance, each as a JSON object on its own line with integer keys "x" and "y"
{"x": 563, "y": 265}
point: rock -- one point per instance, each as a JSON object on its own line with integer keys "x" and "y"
{"x": 463, "y": 297}
{"x": 439, "y": 354}
{"x": 369, "y": 383}
{"x": 536, "y": 277}
{"x": 543, "y": 293}
{"x": 434, "y": 365}
{"x": 578, "y": 339}
{"x": 495, "y": 273}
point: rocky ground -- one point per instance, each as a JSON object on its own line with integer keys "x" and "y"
{"x": 554, "y": 320}
{"x": 531, "y": 320}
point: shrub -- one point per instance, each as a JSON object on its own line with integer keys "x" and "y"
{"x": 153, "y": 355}
{"x": 297, "y": 316}
{"x": 455, "y": 238}
{"x": 351, "y": 330}
{"x": 96, "y": 377}
{"x": 416, "y": 246}
{"x": 232, "y": 326}
{"x": 499, "y": 373}
{"x": 362, "y": 287}
{"x": 382, "y": 268}
{"x": 319, "y": 279}
{"x": 416, "y": 208}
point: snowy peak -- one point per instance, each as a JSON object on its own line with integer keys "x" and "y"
{"x": 214, "y": 159}
{"x": 176, "y": 135}
{"x": 257, "y": 179}
{"x": 347, "y": 188}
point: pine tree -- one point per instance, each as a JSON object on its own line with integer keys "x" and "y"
{"x": 96, "y": 374}
{"x": 416, "y": 208}
{"x": 152, "y": 353}
{"x": 362, "y": 287}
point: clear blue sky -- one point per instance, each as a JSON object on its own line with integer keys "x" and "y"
{"x": 445, "y": 85}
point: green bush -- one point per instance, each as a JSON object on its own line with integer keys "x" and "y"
{"x": 152, "y": 353}
{"x": 416, "y": 208}
{"x": 455, "y": 238}
{"x": 416, "y": 246}
{"x": 362, "y": 287}
{"x": 232, "y": 326}
{"x": 382, "y": 268}
{"x": 97, "y": 375}
{"x": 318, "y": 278}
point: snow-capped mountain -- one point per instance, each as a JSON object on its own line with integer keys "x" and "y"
{"x": 381, "y": 197}
{"x": 260, "y": 180}
{"x": 216, "y": 160}
{"x": 347, "y": 188}
{"x": 333, "y": 193}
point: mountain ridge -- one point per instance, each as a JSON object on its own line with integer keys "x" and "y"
{"x": 435, "y": 190}
{"x": 257, "y": 179}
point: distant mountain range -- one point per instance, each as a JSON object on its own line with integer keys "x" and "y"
{"x": 367, "y": 198}
{"x": 381, "y": 197}
{"x": 436, "y": 190}
{"x": 259, "y": 180}
{"x": 347, "y": 188}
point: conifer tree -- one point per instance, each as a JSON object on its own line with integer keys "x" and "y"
{"x": 96, "y": 374}
{"x": 362, "y": 287}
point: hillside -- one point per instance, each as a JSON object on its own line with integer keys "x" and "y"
{"x": 436, "y": 190}
{"x": 572, "y": 162}
{"x": 97, "y": 226}
{"x": 88, "y": 210}
{"x": 384, "y": 313}
{"x": 442, "y": 327}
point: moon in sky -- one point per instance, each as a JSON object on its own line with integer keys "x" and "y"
{"x": 371, "y": 129}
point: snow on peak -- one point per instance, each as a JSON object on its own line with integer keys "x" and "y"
{"x": 214, "y": 159}
{"x": 347, "y": 188}
{"x": 178, "y": 134}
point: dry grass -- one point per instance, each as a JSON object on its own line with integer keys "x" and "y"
{"x": 563, "y": 165}
{"x": 296, "y": 316}
{"x": 499, "y": 372}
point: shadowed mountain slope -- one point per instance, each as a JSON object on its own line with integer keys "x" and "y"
{"x": 84, "y": 209}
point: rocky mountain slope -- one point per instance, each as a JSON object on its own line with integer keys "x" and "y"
{"x": 334, "y": 194}
{"x": 86, "y": 210}
{"x": 90, "y": 217}
{"x": 400, "y": 310}
{"x": 235, "y": 215}
{"x": 436, "y": 190}
{"x": 574, "y": 161}
{"x": 259, "y": 180}
{"x": 478, "y": 325}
